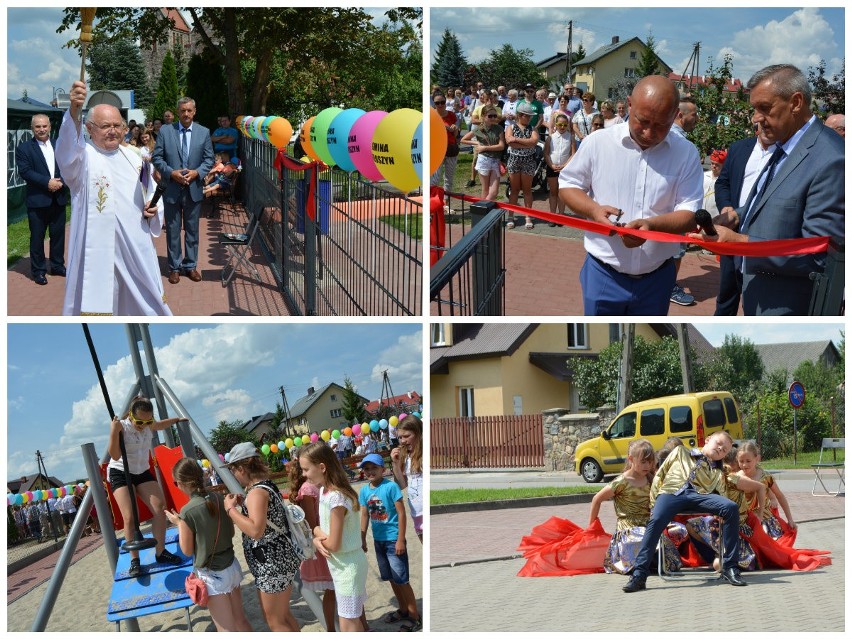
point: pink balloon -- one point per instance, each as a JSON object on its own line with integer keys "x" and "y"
{"x": 314, "y": 437}
{"x": 402, "y": 415}
{"x": 356, "y": 429}
{"x": 360, "y": 143}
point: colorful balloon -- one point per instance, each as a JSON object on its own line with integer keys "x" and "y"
{"x": 374, "y": 424}
{"x": 365, "y": 429}
{"x": 397, "y": 150}
{"x": 282, "y": 445}
{"x": 314, "y": 437}
{"x": 221, "y": 457}
{"x": 360, "y": 144}
{"x": 247, "y": 125}
{"x": 305, "y": 139}
{"x": 288, "y": 443}
{"x": 437, "y": 141}
{"x": 264, "y": 128}
{"x": 416, "y": 414}
{"x": 402, "y": 416}
{"x": 265, "y": 449}
{"x": 255, "y": 127}
{"x": 383, "y": 424}
{"x": 320, "y": 133}
{"x": 274, "y": 448}
{"x": 325, "y": 435}
{"x": 227, "y": 457}
{"x": 393, "y": 421}
{"x": 338, "y": 137}
{"x": 297, "y": 441}
{"x": 356, "y": 429}
{"x": 347, "y": 431}
{"x": 280, "y": 132}
{"x": 335, "y": 433}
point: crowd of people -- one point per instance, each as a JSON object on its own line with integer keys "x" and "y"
{"x": 591, "y": 150}
{"x": 338, "y": 516}
{"x": 656, "y": 497}
{"x": 116, "y": 168}
{"x": 52, "y": 518}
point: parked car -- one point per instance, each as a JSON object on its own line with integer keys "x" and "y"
{"x": 692, "y": 417}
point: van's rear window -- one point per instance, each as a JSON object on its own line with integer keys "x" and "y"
{"x": 680, "y": 419}
{"x": 731, "y": 409}
{"x": 714, "y": 413}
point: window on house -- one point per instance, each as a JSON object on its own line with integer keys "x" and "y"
{"x": 439, "y": 338}
{"x": 466, "y": 402}
{"x": 333, "y": 397}
{"x": 629, "y": 73}
{"x": 632, "y": 55}
{"x": 614, "y": 333}
{"x": 336, "y": 412}
{"x": 577, "y": 336}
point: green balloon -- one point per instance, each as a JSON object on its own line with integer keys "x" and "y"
{"x": 265, "y": 449}
{"x": 320, "y": 133}
{"x": 297, "y": 441}
{"x": 335, "y": 434}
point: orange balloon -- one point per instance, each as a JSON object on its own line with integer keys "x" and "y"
{"x": 437, "y": 141}
{"x": 280, "y": 132}
{"x": 305, "y": 139}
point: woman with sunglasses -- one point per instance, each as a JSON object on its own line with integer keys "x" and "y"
{"x": 583, "y": 118}
{"x": 138, "y": 426}
{"x": 558, "y": 149}
{"x": 489, "y": 142}
{"x": 561, "y": 108}
{"x": 522, "y": 140}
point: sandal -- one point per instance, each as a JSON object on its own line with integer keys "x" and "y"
{"x": 416, "y": 626}
{"x": 529, "y": 226}
{"x": 511, "y": 223}
{"x": 395, "y": 616}
{"x": 135, "y": 568}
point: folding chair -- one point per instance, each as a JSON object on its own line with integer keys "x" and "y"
{"x": 692, "y": 573}
{"x": 238, "y": 246}
{"x": 833, "y": 444}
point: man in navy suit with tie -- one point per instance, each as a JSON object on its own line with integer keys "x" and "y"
{"x": 800, "y": 193}
{"x": 46, "y": 199}
{"x": 183, "y": 156}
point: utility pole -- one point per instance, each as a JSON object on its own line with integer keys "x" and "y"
{"x": 692, "y": 65}
{"x": 387, "y": 391}
{"x": 625, "y": 384}
{"x": 685, "y": 360}
{"x": 568, "y": 57}
{"x": 286, "y": 408}
{"x": 43, "y": 472}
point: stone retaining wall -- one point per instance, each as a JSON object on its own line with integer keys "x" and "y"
{"x": 564, "y": 430}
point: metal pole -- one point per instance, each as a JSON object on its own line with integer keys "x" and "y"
{"x": 162, "y": 407}
{"x": 96, "y": 487}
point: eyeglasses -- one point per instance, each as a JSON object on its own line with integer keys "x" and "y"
{"x": 108, "y": 127}
{"x": 586, "y": 100}
{"x": 561, "y": 126}
{"x": 597, "y": 125}
{"x": 141, "y": 422}
{"x": 492, "y": 115}
{"x": 440, "y": 102}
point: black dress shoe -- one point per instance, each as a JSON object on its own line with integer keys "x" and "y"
{"x": 635, "y": 584}
{"x": 732, "y": 575}
{"x": 59, "y": 272}
{"x": 41, "y": 278}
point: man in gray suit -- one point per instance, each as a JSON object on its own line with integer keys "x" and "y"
{"x": 183, "y": 156}
{"x": 800, "y": 193}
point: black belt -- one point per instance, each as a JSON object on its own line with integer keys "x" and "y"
{"x": 614, "y": 270}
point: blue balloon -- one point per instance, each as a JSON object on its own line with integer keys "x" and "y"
{"x": 227, "y": 457}
{"x": 417, "y": 148}
{"x": 383, "y": 424}
{"x": 416, "y": 414}
{"x": 19, "y": 499}
{"x": 338, "y": 137}
{"x": 374, "y": 425}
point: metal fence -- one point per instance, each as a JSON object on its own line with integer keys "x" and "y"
{"x": 470, "y": 277}
{"x": 500, "y": 441}
{"x": 360, "y": 255}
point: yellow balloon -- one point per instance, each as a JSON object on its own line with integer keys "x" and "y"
{"x": 288, "y": 443}
{"x": 394, "y": 421}
{"x": 325, "y": 435}
{"x": 395, "y": 148}
{"x": 365, "y": 429}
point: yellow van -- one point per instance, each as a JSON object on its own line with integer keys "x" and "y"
{"x": 692, "y": 417}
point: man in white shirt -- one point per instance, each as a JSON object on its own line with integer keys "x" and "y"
{"x": 640, "y": 174}
{"x": 510, "y": 105}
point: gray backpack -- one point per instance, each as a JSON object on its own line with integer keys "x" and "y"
{"x": 298, "y": 531}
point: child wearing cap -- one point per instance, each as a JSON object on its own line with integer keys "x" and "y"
{"x": 384, "y": 512}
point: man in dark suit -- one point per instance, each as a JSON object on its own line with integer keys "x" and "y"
{"x": 800, "y": 193}
{"x": 744, "y": 163}
{"x": 183, "y": 156}
{"x": 46, "y": 199}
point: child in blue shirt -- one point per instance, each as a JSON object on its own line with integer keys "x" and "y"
{"x": 385, "y": 513}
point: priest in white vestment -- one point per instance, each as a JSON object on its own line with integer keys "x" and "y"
{"x": 112, "y": 266}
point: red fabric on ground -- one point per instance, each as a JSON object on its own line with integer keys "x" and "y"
{"x": 560, "y": 548}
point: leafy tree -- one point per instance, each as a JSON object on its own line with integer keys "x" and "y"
{"x": 656, "y": 372}
{"x": 813, "y": 423}
{"x": 167, "y": 91}
{"x": 117, "y": 64}
{"x": 736, "y": 367}
{"x": 226, "y": 435}
{"x": 649, "y": 64}
{"x": 509, "y": 66}
{"x": 829, "y": 96}
{"x": 181, "y": 68}
{"x": 353, "y": 408}
{"x": 723, "y": 117}
{"x": 205, "y": 83}
{"x": 450, "y": 63}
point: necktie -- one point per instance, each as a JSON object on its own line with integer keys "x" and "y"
{"x": 184, "y": 147}
{"x": 700, "y": 461}
{"x": 768, "y": 174}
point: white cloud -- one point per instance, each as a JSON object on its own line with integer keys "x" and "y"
{"x": 402, "y": 361}
{"x": 231, "y": 405}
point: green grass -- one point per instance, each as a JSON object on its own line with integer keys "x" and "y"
{"x": 803, "y": 460}
{"x": 18, "y": 239}
{"x": 468, "y": 495}
{"x": 415, "y": 224}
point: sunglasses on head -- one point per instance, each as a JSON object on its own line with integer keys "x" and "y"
{"x": 141, "y": 422}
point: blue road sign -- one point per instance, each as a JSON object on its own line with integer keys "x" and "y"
{"x": 796, "y": 395}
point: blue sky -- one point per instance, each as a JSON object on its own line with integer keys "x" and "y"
{"x": 227, "y": 371}
{"x": 755, "y": 36}
{"x": 36, "y": 60}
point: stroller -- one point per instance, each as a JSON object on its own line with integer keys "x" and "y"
{"x": 539, "y": 177}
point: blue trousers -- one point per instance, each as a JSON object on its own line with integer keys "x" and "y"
{"x": 606, "y": 292}
{"x": 667, "y": 506}
{"x": 184, "y": 213}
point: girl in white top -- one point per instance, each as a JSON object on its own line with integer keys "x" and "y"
{"x": 407, "y": 462}
{"x": 138, "y": 426}
{"x": 558, "y": 149}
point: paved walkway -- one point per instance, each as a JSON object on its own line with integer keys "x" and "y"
{"x": 474, "y": 586}
{"x": 245, "y": 295}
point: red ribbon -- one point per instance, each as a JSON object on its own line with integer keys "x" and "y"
{"x": 282, "y": 162}
{"x": 765, "y": 248}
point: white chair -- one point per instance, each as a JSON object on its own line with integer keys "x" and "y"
{"x": 833, "y": 444}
